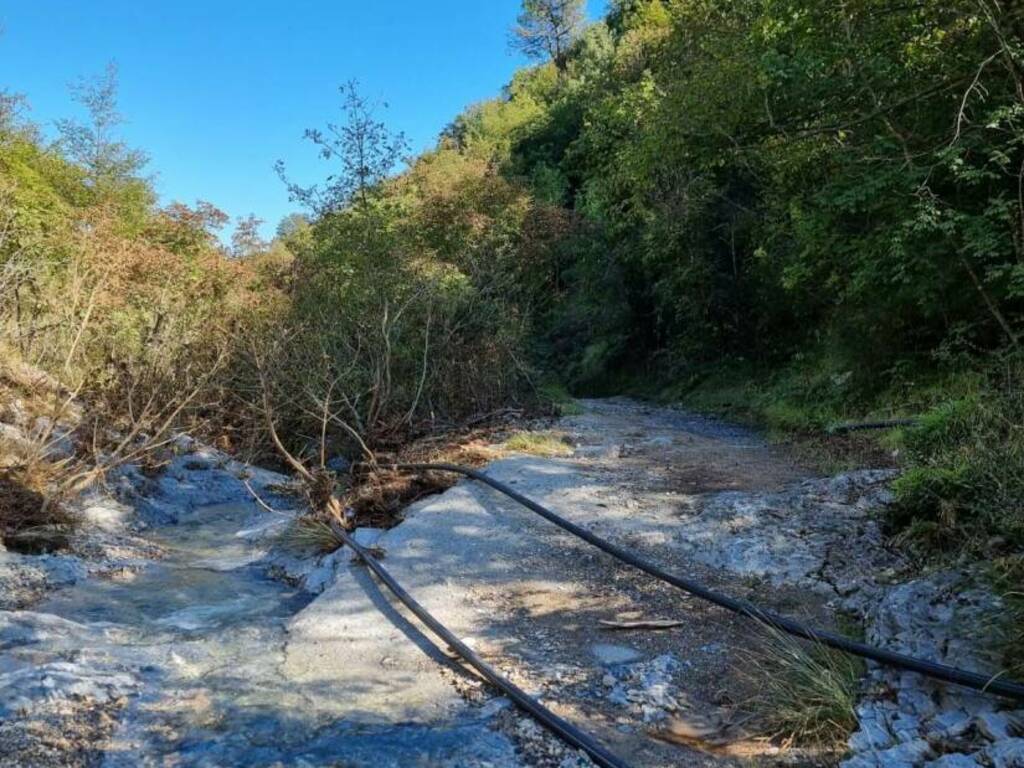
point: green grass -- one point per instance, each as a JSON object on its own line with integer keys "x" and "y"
{"x": 807, "y": 693}
{"x": 548, "y": 444}
{"x": 964, "y": 489}
{"x": 557, "y": 397}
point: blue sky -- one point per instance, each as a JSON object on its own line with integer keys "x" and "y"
{"x": 215, "y": 92}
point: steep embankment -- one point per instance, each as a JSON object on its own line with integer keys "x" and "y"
{"x": 199, "y": 655}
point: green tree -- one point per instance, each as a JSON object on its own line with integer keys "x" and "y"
{"x": 94, "y": 144}
{"x": 246, "y": 240}
{"x": 364, "y": 152}
{"x": 548, "y": 29}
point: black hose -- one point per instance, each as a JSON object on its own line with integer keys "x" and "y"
{"x": 1007, "y": 688}
{"x": 841, "y": 429}
{"x": 563, "y": 729}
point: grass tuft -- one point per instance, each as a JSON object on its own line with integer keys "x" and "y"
{"x": 807, "y": 692}
{"x": 548, "y": 444}
{"x": 309, "y": 534}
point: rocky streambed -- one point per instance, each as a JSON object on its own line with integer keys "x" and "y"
{"x": 176, "y": 632}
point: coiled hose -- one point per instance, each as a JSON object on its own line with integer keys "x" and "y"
{"x": 946, "y": 673}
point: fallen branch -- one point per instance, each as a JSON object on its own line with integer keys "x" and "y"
{"x": 655, "y": 624}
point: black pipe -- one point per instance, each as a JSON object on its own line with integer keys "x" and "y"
{"x": 563, "y": 729}
{"x": 1007, "y": 688}
{"x": 842, "y": 429}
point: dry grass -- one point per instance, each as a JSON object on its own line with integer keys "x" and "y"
{"x": 807, "y": 692}
{"x": 547, "y": 444}
{"x": 309, "y": 534}
{"x": 378, "y": 496}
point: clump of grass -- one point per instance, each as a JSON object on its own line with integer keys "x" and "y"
{"x": 309, "y": 534}
{"x": 807, "y": 692}
{"x": 569, "y": 408}
{"x": 548, "y": 444}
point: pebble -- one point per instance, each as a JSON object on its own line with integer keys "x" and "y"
{"x": 610, "y": 655}
{"x": 950, "y": 724}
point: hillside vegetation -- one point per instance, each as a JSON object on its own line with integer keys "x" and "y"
{"x": 798, "y": 212}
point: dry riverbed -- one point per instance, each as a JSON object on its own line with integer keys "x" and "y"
{"x": 182, "y": 635}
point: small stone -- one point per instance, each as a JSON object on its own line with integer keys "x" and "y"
{"x": 867, "y": 739}
{"x": 909, "y": 753}
{"x": 608, "y": 681}
{"x": 906, "y": 727}
{"x": 874, "y": 733}
{"x": 914, "y": 700}
{"x": 609, "y": 654}
{"x": 951, "y": 723}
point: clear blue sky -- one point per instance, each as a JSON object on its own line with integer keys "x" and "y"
{"x": 216, "y": 91}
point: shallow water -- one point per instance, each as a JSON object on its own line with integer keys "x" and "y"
{"x": 207, "y": 582}
{"x": 204, "y": 630}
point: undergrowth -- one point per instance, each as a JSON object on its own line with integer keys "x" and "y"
{"x": 964, "y": 488}
{"x": 371, "y": 494}
{"x": 557, "y": 398}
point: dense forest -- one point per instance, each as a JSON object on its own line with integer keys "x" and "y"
{"x": 798, "y": 212}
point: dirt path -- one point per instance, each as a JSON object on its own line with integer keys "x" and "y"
{"x": 531, "y": 598}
